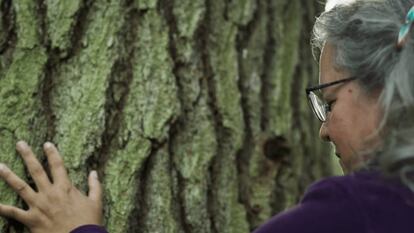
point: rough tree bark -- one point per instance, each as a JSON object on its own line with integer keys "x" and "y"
{"x": 192, "y": 111}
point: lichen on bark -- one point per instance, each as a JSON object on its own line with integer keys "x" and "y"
{"x": 61, "y": 20}
{"x": 79, "y": 98}
{"x": 20, "y": 102}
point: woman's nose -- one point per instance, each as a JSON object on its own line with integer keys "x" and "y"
{"x": 323, "y": 132}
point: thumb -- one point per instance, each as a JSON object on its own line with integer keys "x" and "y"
{"x": 95, "y": 187}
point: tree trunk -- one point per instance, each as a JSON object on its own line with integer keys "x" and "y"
{"x": 192, "y": 111}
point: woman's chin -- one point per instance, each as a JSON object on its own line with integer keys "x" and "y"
{"x": 346, "y": 167}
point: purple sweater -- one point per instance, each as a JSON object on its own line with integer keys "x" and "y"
{"x": 89, "y": 229}
{"x": 359, "y": 203}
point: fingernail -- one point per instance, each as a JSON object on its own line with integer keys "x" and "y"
{"x": 21, "y": 144}
{"x": 94, "y": 174}
{"x": 48, "y": 145}
{"x": 2, "y": 167}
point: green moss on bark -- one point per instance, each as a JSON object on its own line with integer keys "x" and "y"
{"x": 151, "y": 105}
{"x": 241, "y": 12}
{"x": 160, "y": 215}
{"x": 61, "y": 15}
{"x": 79, "y": 99}
{"x": 26, "y": 23}
{"x": 258, "y": 167}
{"x": 230, "y": 126}
{"x": 18, "y": 93}
{"x": 188, "y": 14}
{"x": 287, "y": 25}
{"x": 120, "y": 176}
{"x": 193, "y": 148}
{"x": 146, "y": 4}
{"x": 156, "y": 87}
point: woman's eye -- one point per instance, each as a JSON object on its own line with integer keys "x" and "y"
{"x": 328, "y": 106}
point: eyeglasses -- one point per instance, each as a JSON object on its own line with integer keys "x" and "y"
{"x": 319, "y": 107}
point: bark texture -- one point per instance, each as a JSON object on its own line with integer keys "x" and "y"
{"x": 192, "y": 111}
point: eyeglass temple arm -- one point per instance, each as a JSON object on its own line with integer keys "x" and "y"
{"x": 309, "y": 89}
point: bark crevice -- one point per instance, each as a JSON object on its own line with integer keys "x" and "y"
{"x": 295, "y": 98}
{"x": 166, "y": 7}
{"x": 244, "y": 154}
{"x": 42, "y": 12}
{"x": 178, "y": 195}
{"x": 78, "y": 29}
{"x": 118, "y": 90}
{"x": 268, "y": 57}
{"x": 49, "y": 71}
{"x": 202, "y": 43}
{"x": 7, "y": 20}
{"x": 9, "y": 39}
{"x": 138, "y": 214}
{"x": 226, "y": 10}
{"x": 46, "y": 95}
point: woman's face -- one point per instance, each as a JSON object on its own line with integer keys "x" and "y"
{"x": 354, "y": 117}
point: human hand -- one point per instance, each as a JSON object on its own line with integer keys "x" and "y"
{"x": 57, "y": 206}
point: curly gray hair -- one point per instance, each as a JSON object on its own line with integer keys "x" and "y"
{"x": 365, "y": 33}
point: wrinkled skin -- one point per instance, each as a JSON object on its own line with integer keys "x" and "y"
{"x": 354, "y": 118}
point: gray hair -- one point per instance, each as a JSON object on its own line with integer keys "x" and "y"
{"x": 364, "y": 34}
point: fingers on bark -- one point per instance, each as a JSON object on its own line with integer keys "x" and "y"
{"x": 33, "y": 165}
{"x": 17, "y": 184}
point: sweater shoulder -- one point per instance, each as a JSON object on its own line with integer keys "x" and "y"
{"x": 382, "y": 204}
{"x": 325, "y": 207}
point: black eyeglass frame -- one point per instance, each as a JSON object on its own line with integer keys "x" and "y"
{"x": 321, "y": 86}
